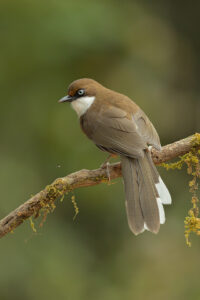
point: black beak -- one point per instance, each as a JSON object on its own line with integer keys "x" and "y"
{"x": 66, "y": 99}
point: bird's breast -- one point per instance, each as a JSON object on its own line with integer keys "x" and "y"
{"x": 87, "y": 125}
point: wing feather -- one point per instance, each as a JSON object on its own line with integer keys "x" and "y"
{"x": 113, "y": 130}
{"x": 146, "y": 129}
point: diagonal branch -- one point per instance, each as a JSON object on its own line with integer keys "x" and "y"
{"x": 83, "y": 178}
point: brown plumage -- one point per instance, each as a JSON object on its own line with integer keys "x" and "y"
{"x": 117, "y": 125}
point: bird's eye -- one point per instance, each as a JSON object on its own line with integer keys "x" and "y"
{"x": 80, "y": 92}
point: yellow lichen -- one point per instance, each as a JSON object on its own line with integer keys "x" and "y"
{"x": 53, "y": 191}
{"x": 62, "y": 198}
{"x": 48, "y": 197}
{"x": 76, "y": 209}
{"x": 32, "y": 225}
{"x": 192, "y": 161}
{"x": 192, "y": 224}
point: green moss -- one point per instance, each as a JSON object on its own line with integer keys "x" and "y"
{"x": 192, "y": 161}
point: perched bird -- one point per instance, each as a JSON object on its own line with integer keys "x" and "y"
{"x": 117, "y": 125}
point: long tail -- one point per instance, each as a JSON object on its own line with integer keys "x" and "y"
{"x": 145, "y": 194}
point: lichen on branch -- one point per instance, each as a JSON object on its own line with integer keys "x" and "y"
{"x": 44, "y": 201}
{"x": 192, "y": 161}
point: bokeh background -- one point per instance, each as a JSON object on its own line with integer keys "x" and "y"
{"x": 148, "y": 50}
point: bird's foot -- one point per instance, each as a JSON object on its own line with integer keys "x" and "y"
{"x": 106, "y": 166}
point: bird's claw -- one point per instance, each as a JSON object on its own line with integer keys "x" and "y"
{"x": 106, "y": 166}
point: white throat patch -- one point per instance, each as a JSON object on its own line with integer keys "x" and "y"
{"x": 82, "y": 104}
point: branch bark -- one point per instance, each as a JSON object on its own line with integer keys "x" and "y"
{"x": 83, "y": 178}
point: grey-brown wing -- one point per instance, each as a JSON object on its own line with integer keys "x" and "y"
{"x": 146, "y": 129}
{"x": 115, "y": 133}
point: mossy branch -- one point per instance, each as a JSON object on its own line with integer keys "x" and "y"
{"x": 45, "y": 199}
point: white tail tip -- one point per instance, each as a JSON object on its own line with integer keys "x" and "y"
{"x": 163, "y": 192}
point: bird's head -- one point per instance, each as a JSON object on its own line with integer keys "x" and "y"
{"x": 82, "y": 94}
{"x": 81, "y": 88}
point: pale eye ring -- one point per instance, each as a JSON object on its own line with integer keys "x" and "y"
{"x": 80, "y": 92}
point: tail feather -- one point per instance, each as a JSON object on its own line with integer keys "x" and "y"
{"x": 160, "y": 186}
{"x": 148, "y": 196}
{"x": 132, "y": 202}
{"x": 145, "y": 194}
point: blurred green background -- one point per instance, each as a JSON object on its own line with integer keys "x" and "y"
{"x": 148, "y": 50}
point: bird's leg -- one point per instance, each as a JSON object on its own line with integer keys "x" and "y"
{"x": 106, "y": 164}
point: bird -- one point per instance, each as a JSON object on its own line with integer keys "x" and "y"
{"x": 118, "y": 126}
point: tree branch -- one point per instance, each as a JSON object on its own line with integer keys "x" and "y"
{"x": 83, "y": 178}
